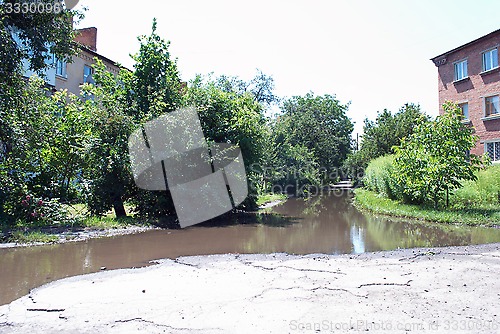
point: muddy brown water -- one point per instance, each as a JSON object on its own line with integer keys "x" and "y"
{"x": 328, "y": 224}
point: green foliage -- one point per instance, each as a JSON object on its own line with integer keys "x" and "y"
{"x": 108, "y": 178}
{"x": 261, "y": 87}
{"x": 39, "y": 36}
{"x": 34, "y": 211}
{"x": 476, "y": 215}
{"x": 232, "y": 117}
{"x": 46, "y": 143}
{"x": 485, "y": 191}
{"x": 295, "y": 169}
{"x": 156, "y": 87}
{"x": 153, "y": 89}
{"x": 379, "y": 177}
{"x": 269, "y": 198}
{"x": 119, "y": 106}
{"x": 380, "y": 136}
{"x": 310, "y": 140}
{"x": 319, "y": 123}
{"x": 65, "y": 145}
{"x": 435, "y": 159}
{"x": 60, "y": 146}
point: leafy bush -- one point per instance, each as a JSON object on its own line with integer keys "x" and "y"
{"x": 35, "y": 211}
{"x": 434, "y": 161}
{"x": 379, "y": 177}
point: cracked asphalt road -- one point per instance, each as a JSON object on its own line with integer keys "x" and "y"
{"x": 451, "y": 289}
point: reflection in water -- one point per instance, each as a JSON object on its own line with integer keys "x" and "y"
{"x": 328, "y": 225}
{"x": 358, "y": 243}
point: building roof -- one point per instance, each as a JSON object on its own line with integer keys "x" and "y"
{"x": 101, "y": 57}
{"x": 466, "y": 45}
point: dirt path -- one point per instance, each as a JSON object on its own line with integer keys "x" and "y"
{"x": 450, "y": 290}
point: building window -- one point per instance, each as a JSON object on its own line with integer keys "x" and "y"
{"x": 490, "y": 59}
{"x": 491, "y": 106}
{"x": 493, "y": 150}
{"x": 61, "y": 68}
{"x": 465, "y": 109}
{"x": 87, "y": 74}
{"x": 461, "y": 70}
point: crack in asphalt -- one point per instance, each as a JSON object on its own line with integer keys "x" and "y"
{"x": 186, "y": 264}
{"x": 419, "y": 255}
{"x": 270, "y": 289}
{"x": 389, "y": 284}
{"x": 139, "y": 319}
{"x": 339, "y": 289}
{"x": 308, "y": 290}
{"x": 292, "y": 268}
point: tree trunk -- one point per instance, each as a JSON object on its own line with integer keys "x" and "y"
{"x": 119, "y": 208}
{"x": 447, "y": 198}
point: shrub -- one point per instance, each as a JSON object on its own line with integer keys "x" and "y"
{"x": 434, "y": 161}
{"x": 379, "y": 177}
{"x": 34, "y": 211}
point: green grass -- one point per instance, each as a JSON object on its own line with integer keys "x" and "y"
{"x": 32, "y": 237}
{"x": 37, "y": 234}
{"x": 76, "y": 209}
{"x": 106, "y": 223}
{"x": 29, "y": 233}
{"x": 485, "y": 214}
{"x": 268, "y": 198}
{"x": 482, "y": 192}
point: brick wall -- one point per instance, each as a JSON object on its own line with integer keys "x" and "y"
{"x": 87, "y": 37}
{"x": 474, "y": 89}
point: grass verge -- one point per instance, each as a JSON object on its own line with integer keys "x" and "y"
{"x": 268, "y": 198}
{"x": 32, "y": 237}
{"x": 486, "y": 215}
{"x": 108, "y": 223}
{"x": 23, "y": 233}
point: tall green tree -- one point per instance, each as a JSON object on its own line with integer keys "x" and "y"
{"x": 121, "y": 105}
{"x": 380, "y": 136}
{"x": 435, "y": 159}
{"x": 310, "y": 140}
{"x": 235, "y": 117}
{"x": 291, "y": 166}
{"x": 108, "y": 178}
{"x": 261, "y": 87}
{"x": 156, "y": 85}
{"x": 154, "y": 88}
{"x": 320, "y": 123}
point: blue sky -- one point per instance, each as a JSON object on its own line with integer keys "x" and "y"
{"x": 373, "y": 54}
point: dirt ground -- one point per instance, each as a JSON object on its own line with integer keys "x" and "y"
{"x": 435, "y": 290}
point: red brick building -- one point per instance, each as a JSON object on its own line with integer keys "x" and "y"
{"x": 469, "y": 75}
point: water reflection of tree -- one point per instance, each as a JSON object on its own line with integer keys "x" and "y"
{"x": 331, "y": 224}
{"x": 320, "y": 228}
{"x": 384, "y": 233}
